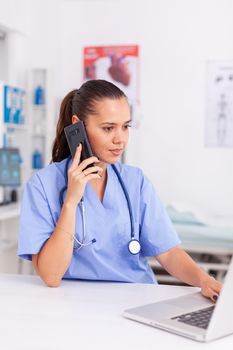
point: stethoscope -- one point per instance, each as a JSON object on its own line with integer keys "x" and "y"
{"x": 134, "y": 245}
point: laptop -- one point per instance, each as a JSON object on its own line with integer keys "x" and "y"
{"x": 193, "y": 315}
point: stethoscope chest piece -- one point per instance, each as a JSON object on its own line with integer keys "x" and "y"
{"x": 134, "y": 246}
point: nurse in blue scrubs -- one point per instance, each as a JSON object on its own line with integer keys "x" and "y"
{"x": 76, "y": 222}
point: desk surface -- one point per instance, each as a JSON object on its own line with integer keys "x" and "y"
{"x": 84, "y": 315}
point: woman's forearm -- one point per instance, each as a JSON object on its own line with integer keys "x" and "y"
{"x": 180, "y": 265}
{"x": 54, "y": 258}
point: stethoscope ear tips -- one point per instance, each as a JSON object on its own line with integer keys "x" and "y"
{"x": 93, "y": 240}
{"x": 134, "y": 246}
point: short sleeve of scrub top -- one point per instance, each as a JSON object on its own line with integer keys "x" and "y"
{"x": 36, "y": 222}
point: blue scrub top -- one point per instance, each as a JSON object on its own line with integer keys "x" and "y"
{"x": 108, "y": 222}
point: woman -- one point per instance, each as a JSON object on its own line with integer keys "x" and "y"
{"x": 64, "y": 241}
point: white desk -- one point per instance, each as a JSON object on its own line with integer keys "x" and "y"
{"x": 84, "y": 315}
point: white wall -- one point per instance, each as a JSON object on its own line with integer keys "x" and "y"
{"x": 176, "y": 38}
{"x": 14, "y": 14}
{"x": 32, "y": 35}
{"x": 15, "y": 21}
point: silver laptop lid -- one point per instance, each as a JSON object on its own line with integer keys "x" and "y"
{"x": 221, "y": 322}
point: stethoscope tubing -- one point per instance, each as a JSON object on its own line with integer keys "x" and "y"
{"x": 127, "y": 199}
{"x": 82, "y": 244}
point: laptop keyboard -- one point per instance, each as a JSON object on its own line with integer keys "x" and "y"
{"x": 199, "y": 318}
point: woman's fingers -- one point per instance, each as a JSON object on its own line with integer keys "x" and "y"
{"x": 92, "y": 169}
{"x": 213, "y": 296}
{"x": 80, "y": 174}
{"x": 84, "y": 164}
{"x": 76, "y": 159}
{"x": 77, "y": 173}
{"x": 209, "y": 293}
{"x": 87, "y": 162}
{"x": 91, "y": 177}
{"x": 211, "y": 289}
{"x": 216, "y": 287}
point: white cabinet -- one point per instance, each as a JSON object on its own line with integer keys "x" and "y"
{"x": 27, "y": 120}
{"x": 12, "y": 114}
{"x": 14, "y": 129}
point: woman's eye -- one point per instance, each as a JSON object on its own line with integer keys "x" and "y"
{"x": 108, "y": 128}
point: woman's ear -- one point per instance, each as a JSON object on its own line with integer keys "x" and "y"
{"x": 75, "y": 119}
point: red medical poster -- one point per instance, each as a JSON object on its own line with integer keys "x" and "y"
{"x": 117, "y": 64}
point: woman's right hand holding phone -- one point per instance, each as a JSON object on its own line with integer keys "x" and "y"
{"x": 79, "y": 175}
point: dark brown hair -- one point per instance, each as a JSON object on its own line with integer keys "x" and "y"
{"x": 80, "y": 102}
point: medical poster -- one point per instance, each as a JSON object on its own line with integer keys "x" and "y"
{"x": 117, "y": 64}
{"x": 219, "y": 116}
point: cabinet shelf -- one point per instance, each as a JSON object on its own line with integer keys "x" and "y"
{"x": 39, "y": 108}
{"x": 20, "y": 127}
{"x": 7, "y": 244}
{"x": 39, "y": 135}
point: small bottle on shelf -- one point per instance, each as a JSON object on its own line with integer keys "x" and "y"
{"x": 39, "y": 96}
{"x": 37, "y": 162}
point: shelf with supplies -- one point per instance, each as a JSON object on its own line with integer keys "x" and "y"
{"x": 13, "y": 104}
{"x": 13, "y": 115}
{"x": 26, "y": 129}
{"x": 40, "y": 115}
{"x": 14, "y": 142}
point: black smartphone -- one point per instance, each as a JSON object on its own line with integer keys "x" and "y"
{"x": 76, "y": 134}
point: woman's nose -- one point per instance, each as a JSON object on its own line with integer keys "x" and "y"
{"x": 118, "y": 137}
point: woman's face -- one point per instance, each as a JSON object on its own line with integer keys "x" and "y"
{"x": 108, "y": 129}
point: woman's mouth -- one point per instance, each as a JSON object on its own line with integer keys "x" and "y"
{"x": 116, "y": 152}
